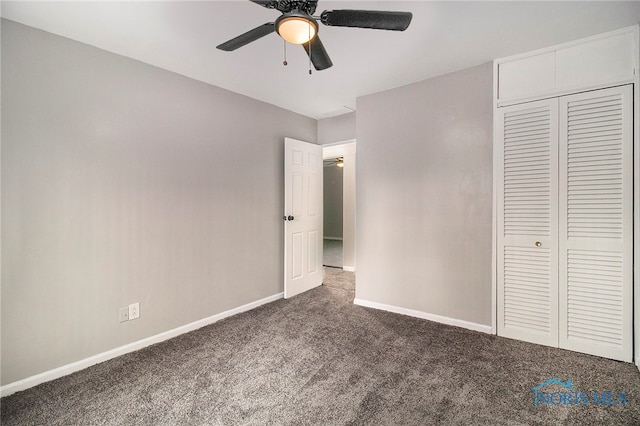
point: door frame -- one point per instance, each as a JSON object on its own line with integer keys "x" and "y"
{"x": 347, "y": 150}
{"x": 636, "y": 208}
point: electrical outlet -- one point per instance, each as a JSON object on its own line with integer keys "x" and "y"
{"x": 124, "y": 314}
{"x": 134, "y": 311}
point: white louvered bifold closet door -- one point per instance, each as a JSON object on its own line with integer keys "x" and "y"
{"x": 527, "y": 222}
{"x": 595, "y": 227}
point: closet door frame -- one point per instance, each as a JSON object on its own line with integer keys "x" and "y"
{"x": 636, "y": 205}
{"x": 632, "y": 77}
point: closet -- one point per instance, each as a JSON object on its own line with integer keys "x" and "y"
{"x": 564, "y": 196}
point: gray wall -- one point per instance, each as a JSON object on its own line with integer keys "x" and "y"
{"x": 424, "y": 215}
{"x": 122, "y": 182}
{"x": 333, "y": 202}
{"x": 339, "y": 128}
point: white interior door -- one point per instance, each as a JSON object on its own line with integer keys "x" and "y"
{"x": 596, "y": 229}
{"x": 527, "y": 222}
{"x": 303, "y": 217}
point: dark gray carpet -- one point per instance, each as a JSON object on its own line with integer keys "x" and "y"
{"x": 318, "y": 359}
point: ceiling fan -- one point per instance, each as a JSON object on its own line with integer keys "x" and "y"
{"x": 298, "y": 25}
{"x": 338, "y": 162}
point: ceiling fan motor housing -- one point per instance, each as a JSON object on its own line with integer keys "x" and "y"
{"x": 308, "y": 6}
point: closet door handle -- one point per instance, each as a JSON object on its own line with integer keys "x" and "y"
{"x": 538, "y": 244}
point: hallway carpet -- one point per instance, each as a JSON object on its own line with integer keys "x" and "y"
{"x": 317, "y": 359}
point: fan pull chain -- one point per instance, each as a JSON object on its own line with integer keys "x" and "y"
{"x": 309, "y": 27}
{"x": 285, "y": 53}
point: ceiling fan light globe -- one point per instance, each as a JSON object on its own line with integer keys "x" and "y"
{"x": 296, "y": 29}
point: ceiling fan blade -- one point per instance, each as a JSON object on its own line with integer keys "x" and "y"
{"x": 376, "y": 19}
{"x": 248, "y": 37}
{"x": 319, "y": 56}
{"x": 269, "y": 4}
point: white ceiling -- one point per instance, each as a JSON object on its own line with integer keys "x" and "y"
{"x": 181, "y": 36}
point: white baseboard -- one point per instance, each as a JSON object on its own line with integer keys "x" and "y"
{"x": 131, "y": 347}
{"x": 349, "y": 268}
{"x": 424, "y": 315}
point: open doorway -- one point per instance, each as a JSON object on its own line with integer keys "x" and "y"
{"x": 339, "y": 205}
{"x": 333, "y": 211}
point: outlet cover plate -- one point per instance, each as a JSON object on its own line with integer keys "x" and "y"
{"x": 134, "y": 311}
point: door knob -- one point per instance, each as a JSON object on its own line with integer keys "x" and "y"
{"x": 538, "y": 244}
{"x": 290, "y": 218}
